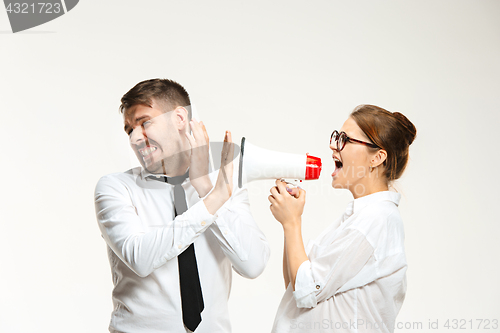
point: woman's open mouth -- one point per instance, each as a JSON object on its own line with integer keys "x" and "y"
{"x": 338, "y": 166}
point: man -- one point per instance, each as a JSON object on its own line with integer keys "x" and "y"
{"x": 147, "y": 231}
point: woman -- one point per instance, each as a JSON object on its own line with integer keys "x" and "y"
{"x": 352, "y": 278}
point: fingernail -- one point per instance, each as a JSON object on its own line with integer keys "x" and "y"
{"x": 289, "y": 189}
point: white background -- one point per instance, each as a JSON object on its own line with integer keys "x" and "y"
{"x": 283, "y": 74}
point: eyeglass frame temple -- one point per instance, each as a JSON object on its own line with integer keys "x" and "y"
{"x": 371, "y": 145}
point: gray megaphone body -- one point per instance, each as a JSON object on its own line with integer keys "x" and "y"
{"x": 258, "y": 163}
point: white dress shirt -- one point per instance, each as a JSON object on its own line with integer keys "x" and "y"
{"x": 136, "y": 218}
{"x": 355, "y": 278}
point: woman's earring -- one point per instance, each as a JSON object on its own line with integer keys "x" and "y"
{"x": 371, "y": 168}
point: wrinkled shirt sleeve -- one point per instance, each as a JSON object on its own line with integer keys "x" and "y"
{"x": 142, "y": 250}
{"x": 239, "y": 237}
{"x": 330, "y": 267}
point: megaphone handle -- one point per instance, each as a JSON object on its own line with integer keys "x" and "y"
{"x": 240, "y": 174}
{"x": 293, "y": 183}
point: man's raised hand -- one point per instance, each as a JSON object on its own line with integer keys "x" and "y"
{"x": 198, "y": 171}
{"x": 224, "y": 185}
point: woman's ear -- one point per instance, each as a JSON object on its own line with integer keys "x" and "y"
{"x": 379, "y": 158}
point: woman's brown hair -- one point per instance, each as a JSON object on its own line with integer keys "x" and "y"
{"x": 391, "y": 131}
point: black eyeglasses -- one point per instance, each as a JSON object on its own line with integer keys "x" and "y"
{"x": 341, "y": 139}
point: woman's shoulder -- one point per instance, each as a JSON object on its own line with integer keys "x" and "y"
{"x": 379, "y": 212}
{"x": 381, "y": 224}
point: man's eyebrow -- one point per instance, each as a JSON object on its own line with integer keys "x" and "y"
{"x": 142, "y": 117}
{"x": 126, "y": 127}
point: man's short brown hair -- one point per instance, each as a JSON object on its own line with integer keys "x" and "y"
{"x": 167, "y": 93}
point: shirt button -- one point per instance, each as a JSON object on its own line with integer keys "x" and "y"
{"x": 203, "y": 223}
{"x": 180, "y": 246}
{"x": 317, "y": 286}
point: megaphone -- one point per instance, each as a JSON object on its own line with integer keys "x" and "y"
{"x": 258, "y": 163}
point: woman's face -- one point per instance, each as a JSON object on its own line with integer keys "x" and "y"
{"x": 353, "y": 162}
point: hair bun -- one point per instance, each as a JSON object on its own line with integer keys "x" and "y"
{"x": 408, "y": 127}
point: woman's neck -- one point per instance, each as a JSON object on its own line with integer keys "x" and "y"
{"x": 361, "y": 190}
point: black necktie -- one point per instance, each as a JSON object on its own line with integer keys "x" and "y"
{"x": 189, "y": 279}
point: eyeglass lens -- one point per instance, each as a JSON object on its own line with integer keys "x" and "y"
{"x": 339, "y": 139}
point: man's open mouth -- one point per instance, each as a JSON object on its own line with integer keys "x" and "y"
{"x": 146, "y": 151}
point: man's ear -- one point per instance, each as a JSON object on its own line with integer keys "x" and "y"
{"x": 181, "y": 118}
{"x": 379, "y": 158}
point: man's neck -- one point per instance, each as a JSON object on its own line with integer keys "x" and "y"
{"x": 174, "y": 171}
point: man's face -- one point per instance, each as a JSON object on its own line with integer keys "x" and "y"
{"x": 157, "y": 138}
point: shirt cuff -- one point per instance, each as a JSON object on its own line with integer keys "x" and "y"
{"x": 305, "y": 287}
{"x": 200, "y": 216}
{"x": 196, "y": 219}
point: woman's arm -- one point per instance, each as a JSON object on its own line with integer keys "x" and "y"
{"x": 287, "y": 208}
{"x": 286, "y": 271}
{"x": 295, "y": 252}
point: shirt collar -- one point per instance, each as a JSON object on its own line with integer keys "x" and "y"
{"x": 358, "y": 204}
{"x": 146, "y": 176}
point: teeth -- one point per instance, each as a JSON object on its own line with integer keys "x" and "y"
{"x": 147, "y": 151}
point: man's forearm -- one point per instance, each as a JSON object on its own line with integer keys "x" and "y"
{"x": 214, "y": 202}
{"x": 203, "y": 185}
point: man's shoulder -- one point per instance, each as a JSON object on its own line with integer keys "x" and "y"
{"x": 125, "y": 177}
